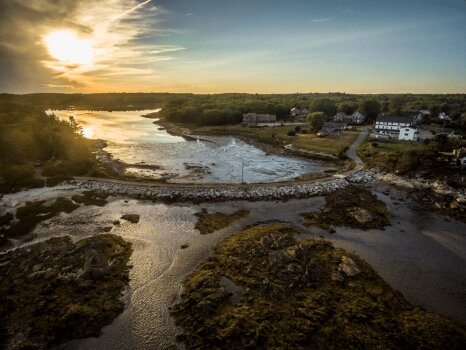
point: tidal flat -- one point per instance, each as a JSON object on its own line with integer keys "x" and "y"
{"x": 420, "y": 254}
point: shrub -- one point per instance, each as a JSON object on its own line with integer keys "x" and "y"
{"x": 316, "y": 120}
{"x": 341, "y": 152}
{"x": 407, "y": 162}
{"x": 18, "y": 176}
{"x": 291, "y": 133}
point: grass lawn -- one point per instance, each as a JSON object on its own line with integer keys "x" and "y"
{"x": 387, "y": 153}
{"x": 279, "y": 136}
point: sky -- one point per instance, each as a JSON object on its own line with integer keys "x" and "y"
{"x": 215, "y": 46}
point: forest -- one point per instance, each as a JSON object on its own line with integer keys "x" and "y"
{"x": 221, "y": 109}
{"x": 31, "y": 140}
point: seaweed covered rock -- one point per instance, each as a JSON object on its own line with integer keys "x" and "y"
{"x": 91, "y": 198}
{"x": 57, "y": 290}
{"x": 132, "y": 218}
{"x": 31, "y": 214}
{"x": 264, "y": 289}
{"x": 354, "y": 207}
{"x": 211, "y": 222}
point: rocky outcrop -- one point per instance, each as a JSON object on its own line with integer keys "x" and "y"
{"x": 435, "y": 195}
{"x": 57, "y": 290}
{"x": 263, "y": 288}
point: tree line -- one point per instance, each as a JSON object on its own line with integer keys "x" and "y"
{"x": 31, "y": 140}
{"x": 220, "y": 109}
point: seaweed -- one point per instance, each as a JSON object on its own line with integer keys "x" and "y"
{"x": 32, "y": 213}
{"x": 303, "y": 294}
{"x": 91, "y": 198}
{"x": 211, "y": 222}
{"x": 132, "y": 218}
{"x": 57, "y": 290}
{"x": 354, "y": 207}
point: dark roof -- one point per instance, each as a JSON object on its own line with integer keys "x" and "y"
{"x": 334, "y": 125}
{"x": 390, "y": 119}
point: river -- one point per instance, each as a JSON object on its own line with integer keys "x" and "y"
{"x": 150, "y": 152}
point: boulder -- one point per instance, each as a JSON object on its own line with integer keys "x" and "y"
{"x": 348, "y": 267}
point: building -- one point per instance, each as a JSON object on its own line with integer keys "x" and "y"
{"x": 443, "y": 117}
{"x": 332, "y": 128}
{"x": 341, "y": 117}
{"x": 358, "y": 118}
{"x": 255, "y": 119}
{"x": 422, "y": 115}
{"x": 397, "y": 128}
{"x": 355, "y": 118}
{"x": 297, "y": 112}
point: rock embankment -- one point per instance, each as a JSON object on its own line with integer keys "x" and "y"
{"x": 247, "y": 192}
{"x": 436, "y": 195}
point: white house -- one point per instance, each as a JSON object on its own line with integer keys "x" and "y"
{"x": 358, "y": 118}
{"x": 255, "y": 119}
{"x": 341, "y": 117}
{"x": 444, "y": 117}
{"x": 398, "y": 128}
{"x": 408, "y": 134}
{"x": 355, "y": 118}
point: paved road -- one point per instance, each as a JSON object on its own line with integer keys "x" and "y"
{"x": 351, "y": 152}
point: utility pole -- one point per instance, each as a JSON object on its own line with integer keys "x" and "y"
{"x": 242, "y": 172}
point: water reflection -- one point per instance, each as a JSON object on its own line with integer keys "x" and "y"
{"x": 127, "y": 127}
{"x": 150, "y": 152}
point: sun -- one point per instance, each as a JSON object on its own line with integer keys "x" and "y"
{"x": 68, "y": 48}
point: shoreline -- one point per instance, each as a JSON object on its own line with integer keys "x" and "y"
{"x": 117, "y": 168}
{"x": 177, "y": 130}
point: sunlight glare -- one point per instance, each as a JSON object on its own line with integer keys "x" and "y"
{"x": 87, "y": 132}
{"x": 67, "y": 47}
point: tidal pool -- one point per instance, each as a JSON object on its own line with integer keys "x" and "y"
{"x": 150, "y": 152}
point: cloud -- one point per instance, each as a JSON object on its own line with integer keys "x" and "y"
{"x": 321, "y": 20}
{"x": 123, "y": 34}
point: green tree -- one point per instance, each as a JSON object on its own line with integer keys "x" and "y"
{"x": 316, "y": 120}
{"x": 347, "y": 108}
{"x": 324, "y": 105}
{"x": 370, "y": 107}
{"x": 462, "y": 121}
{"x": 396, "y": 104}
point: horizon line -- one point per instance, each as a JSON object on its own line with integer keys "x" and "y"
{"x": 238, "y": 93}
